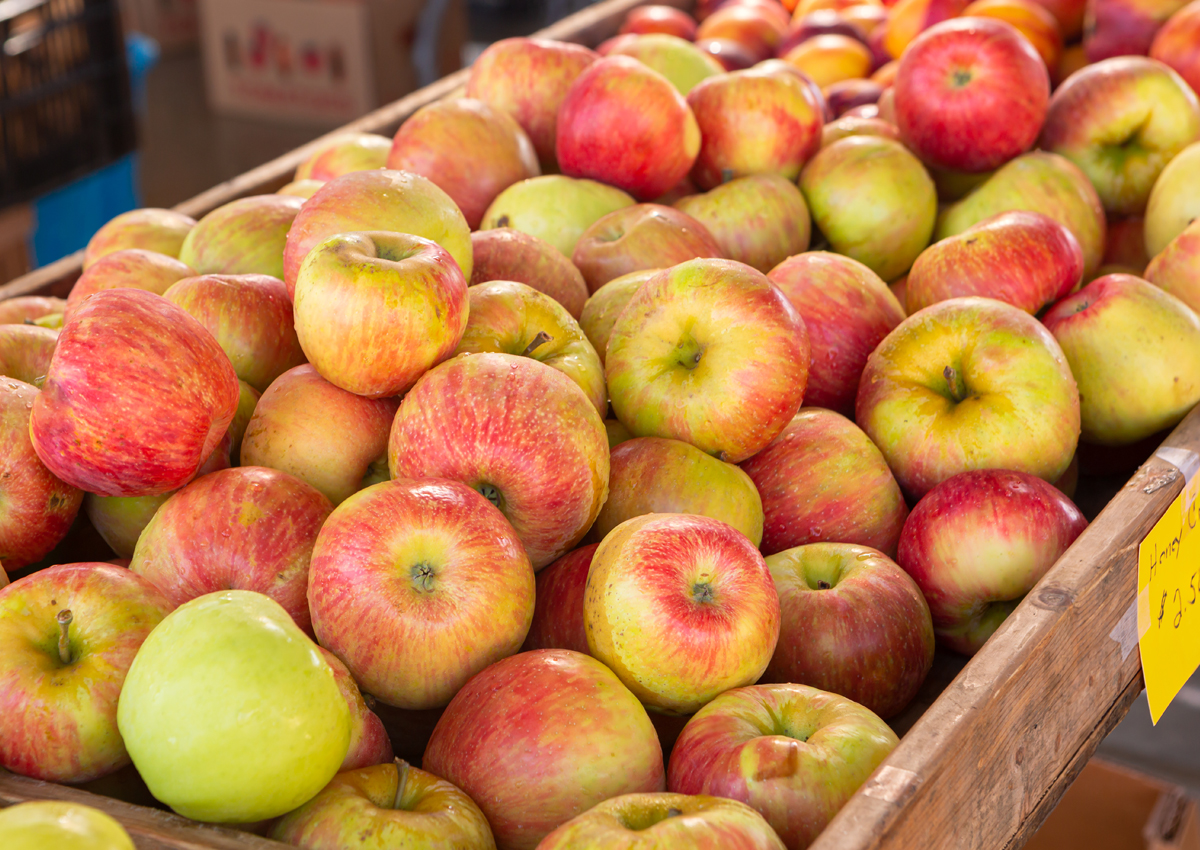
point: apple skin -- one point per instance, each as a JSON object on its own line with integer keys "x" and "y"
{"x": 1022, "y": 258}
{"x": 759, "y": 31}
{"x": 763, "y": 120}
{"x": 1019, "y": 405}
{"x": 560, "y": 721}
{"x": 343, "y": 154}
{"x": 133, "y": 268}
{"x": 1031, "y": 19}
{"x": 374, "y": 311}
{"x": 137, "y": 397}
{"x": 246, "y": 236}
{"x": 161, "y": 231}
{"x": 558, "y": 603}
{"x": 681, "y": 608}
{"x": 369, "y": 741}
{"x": 29, "y": 308}
{"x": 1125, "y": 244}
{"x": 1098, "y": 119}
{"x": 759, "y": 220}
{"x": 602, "y": 309}
{"x": 508, "y": 317}
{"x": 1175, "y": 269}
{"x": 1173, "y": 205}
{"x": 247, "y": 401}
{"x": 853, "y": 623}
{"x": 664, "y": 19}
{"x": 831, "y": 58}
{"x": 249, "y": 528}
{"x": 847, "y": 310}
{"x": 1135, "y": 351}
{"x": 971, "y": 94}
{"x": 625, "y": 124}
{"x": 378, "y": 200}
{"x": 305, "y": 426}
{"x": 468, "y": 149}
{"x": 554, "y": 208}
{"x": 644, "y": 236}
{"x": 822, "y": 480}
{"x": 64, "y": 826}
{"x": 680, "y": 61}
{"x": 711, "y": 353}
{"x": 1069, "y": 14}
{"x": 303, "y": 188}
{"x": 907, "y": 19}
{"x": 528, "y": 78}
{"x": 846, "y": 95}
{"x": 507, "y": 254}
{"x": 849, "y": 125}
{"x": 26, "y": 351}
{"x": 1124, "y": 27}
{"x": 653, "y": 475}
{"x": 732, "y": 55}
{"x": 1177, "y": 44}
{"x": 873, "y": 201}
{"x": 820, "y": 22}
{"x": 519, "y": 431}
{"x": 1039, "y": 182}
{"x": 386, "y": 806}
{"x": 793, "y": 753}
{"x": 251, "y": 318}
{"x": 978, "y": 542}
{"x": 58, "y": 722}
{"x": 648, "y": 821}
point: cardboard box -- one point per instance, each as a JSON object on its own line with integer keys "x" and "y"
{"x": 1114, "y": 808}
{"x": 174, "y": 24}
{"x": 324, "y": 62}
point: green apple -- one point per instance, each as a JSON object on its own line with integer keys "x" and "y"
{"x": 55, "y": 825}
{"x": 1174, "y": 202}
{"x": 601, "y": 310}
{"x": 554, "y": 208}
{"x": 120, "y": 519}
{"x": 680, "y": 61}
{"x": 230, "y": 713}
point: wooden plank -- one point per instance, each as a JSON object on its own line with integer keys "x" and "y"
{"x": 1017, "y": 723}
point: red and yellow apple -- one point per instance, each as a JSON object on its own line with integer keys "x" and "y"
{"x": 26, "y": 351}
{"x": 554, "y": 208}
{"x": 558, "y": 603}
{"x": 161, "y": 231}
{"x": 342, "y": 154}
{"x": 507, "y": 254}
{"x": 1177, "y": 44}
{"x": 246, "y": 236}
{"x": 602, "y": 309}
{"x": 130, "y": 268}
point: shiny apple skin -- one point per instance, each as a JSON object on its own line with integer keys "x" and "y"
{"x": 980, "y": 541}
{"x": 507, "y": 254}
{"x": 1177, "y": 44}
{"x": 1124, "y": 27}
{"x": 558, "y": 606}
{"x": 823, "y": 480}
{"x": 849, "y": 125}
{"x": 26, "y": 351}
{"x": 58, "y": 722}
{"x": 677, "y": 59}
{"x": 541, "y": 737}
{"x": 793, "y": 753}
{"x": 664, "y": 19}
{"x": 16, "y": 311}
{"x": 831, "y": 58}
{"x": 137, "y": 397}
{"x": 758, "y": 30}
{"x": 150, "y": 229}
{"x": 246, "y": 236}
{"x": 1176, "y": 269}
{"x": 369, "y": 741}
{"x": 853, "y": 623}
{"x": 133, "y": 268}
{"x": 554, "y": 208}
{"x": 602, "y": 309}
{"x": 345, "y": 153}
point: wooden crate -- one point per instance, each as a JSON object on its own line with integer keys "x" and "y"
{"x": 989, "y": 746}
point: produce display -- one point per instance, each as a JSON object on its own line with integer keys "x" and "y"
{"x": 642, "y": 422}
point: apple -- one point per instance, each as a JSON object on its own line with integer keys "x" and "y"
{"x": 69, "y": 634}
{"x": 625, "y": 124}
{"x": 1069, "y": 14}
{"x": 762, "y": 120}
{"x": 369, "y": 741}
{"x": 820, "y": 22}
{"x": 680, "y": 61}
{"x": 664, "y": 19}
{"x": 823, "y": 480}
{"x": 886, "y": 73}
{"x": 558, "y": 603}
{"x": 137, "y": 397}
{"x": 969, "y": 383}
{"x": 246, "y": 236}
{"x": 26, "y": 351}
{"x": 520, "y": 432}
{"x": 378, "y": 200}
{"x": 513, "y": 318}
{"x": 560, "y": 721}
{"x": 29, "y": 308}
{"x": 648, "y": 821}
{"x": 229, "y": 712}
{"x": 1121, "y": 121}
{"x": 754, "y": 27}
{"x": 732, "y": 55}
{"x": 507, "y": 254}
{"x": 1037, "y": 182}
{"x": 1124, "y": 27}
{"x": 1125, "y": 244}
{"x": 793, "y": 753}
{"x": 971, "y": 94}
{"x": 847, "y": 310}
{"x": 375, "y": 310}
{"x": 250, "y": 316}
{"x": 899, "y": 288}
{"x": 119, "y": 520}
{"x": 831, "y": 58}
{"x": 1175, "y": 269}
{"x": 1031, "y": 19}
{"x": 873, "y": 200}
{"x": 65, "y": 826}
{"x": 468, "y": 149}
{"x": 304, "y": 188}
{"x": 1173, "y": 205}
{"x": 132, "y": 268}
{"x": 602, "y": 309}
{"x": 528, "y": 78}
{"x": 653, "y": 475}
{"x": 907, "y": 19}
{"x": 978, "y": 542}
{"x": 161, "y": 231}
{"x": 1022, "y": 258}
{"x": 850, "y": 125}
{"x": 1177, "y": 44}
{"x": 711, "y": 353}
{"x": 343, "y": 154}
{"x": 305, "y": 426}
{"x": 1135, "y": 352}
{"x": 617, "y": 433}
{"x": 640, "y": 237}
{"x": 247, "y": 401}
{"x": 383, "y": 807}
{"x": 758, "y": 220}
{"x": 554, "y": 208}
{"x": 847, "y": 95}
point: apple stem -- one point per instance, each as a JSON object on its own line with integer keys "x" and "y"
{"x": 401, "y": 781}
{"x": 823, "y": 585}
{"x": 674, "y": 812}
{"x": 541, "y": 339}
{"x": 957, "y": 391}
{"x": 64, "y": 619}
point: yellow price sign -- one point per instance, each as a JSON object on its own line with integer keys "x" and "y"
{"x": 1168, "y": 601}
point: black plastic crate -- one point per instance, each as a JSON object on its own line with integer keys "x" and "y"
{"x": 65, "y": 106}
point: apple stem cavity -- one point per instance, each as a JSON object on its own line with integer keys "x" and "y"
{"x": 954, "y": 382}
{"x": 702, "y": 593}
{"x": 492, "y": 494}
{"x": 64, "y": 619}
{"x": 401, "y": 782}
{"x": 423, "y": 577}
{"x": 538, "y": 341}
{"x": 823, "y": 585}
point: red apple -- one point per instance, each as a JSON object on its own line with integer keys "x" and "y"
{"x": 847, "y": 95}
{"x": 1177, "y": 44}
{"x": 1124, "y": 27}
{"x": 29, "y": 308}
{"x": 26, "y": 351}
{"x": 343, "y": 154}
{"x": 161, "y": 231}
{"x": 664, "y": 19}
{"x": 820, "y": 22}
{"x": 132, "y": 268}
{"x": 1176, "y": 269}
{"x": 507, "y": 254}
{"x": 978, "y": 542}
{"x": 558, "y": 720}
{"x": 732, "y": 55}
{"x": 1125, "y": 244}
{"x": 602, "y": 309}
{"x": 1069, "y": 14}
{"x": 558, "y": 606}
{"x": 246, "y": 236}
{"x": 851, "y": 125}
{"x": 754, "y": 27}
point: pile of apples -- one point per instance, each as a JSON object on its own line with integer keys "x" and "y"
{"x": 675, "y": 398}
